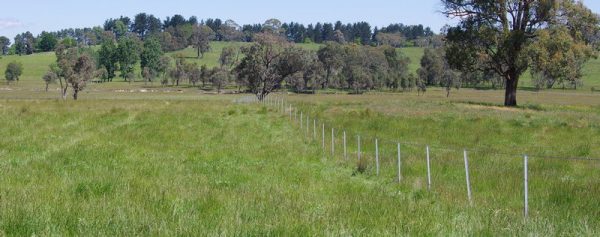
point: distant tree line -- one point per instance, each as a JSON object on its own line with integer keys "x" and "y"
{"x": 352, "y": 57}
{"x": 178, "y": 32}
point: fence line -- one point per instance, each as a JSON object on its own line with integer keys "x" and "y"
{"x": 293, "y": 112}
{"x": 363, "y": 158}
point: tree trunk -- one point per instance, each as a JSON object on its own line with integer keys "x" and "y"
{"x": 75, "y": 92}
{"x": 510, "y": 97}
{"x": 327, "y": 75}
{"x": 46, "y": 87}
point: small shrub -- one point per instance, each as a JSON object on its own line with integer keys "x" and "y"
{"x": 361, "y": 167}
{"x": 24, "y": 109}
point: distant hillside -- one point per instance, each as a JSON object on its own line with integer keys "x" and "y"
{"x": 37, "y": 64}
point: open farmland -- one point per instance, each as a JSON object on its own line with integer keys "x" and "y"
{"x": 205, "y": 165}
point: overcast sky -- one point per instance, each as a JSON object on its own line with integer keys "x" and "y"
{"x": 51, "y": 15}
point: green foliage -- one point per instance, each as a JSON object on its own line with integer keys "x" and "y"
{"x": 120, "y": 29}
{"x": 220, "y": 77}
{"x": 151, "y": 54}
{"x": 128, "y": 53}
{"x": 50, "y": 77}
{"x": 4, "y": 45}
{"x": 47, "y": 42}
{"x": 13, "y": 71}
{"x": 108, "y": 57}
{"x": 75, "y": 66}
{"x": 496, "y": 37}
{"x": 560, "y": 52}
{"x": 69, "y": 42}
{"x": 229, "y": 57}
{"x": 201, "y": 39}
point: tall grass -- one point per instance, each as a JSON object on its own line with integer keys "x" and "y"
{"x": 167, "y": 166}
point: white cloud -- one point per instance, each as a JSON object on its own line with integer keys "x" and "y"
{"x": 10, "y": 23}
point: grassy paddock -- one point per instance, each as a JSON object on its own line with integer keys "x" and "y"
{"x": 188, "y": 164}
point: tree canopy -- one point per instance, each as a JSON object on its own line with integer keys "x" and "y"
{"x": 496, "y": 35}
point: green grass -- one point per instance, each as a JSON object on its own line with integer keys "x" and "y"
{"x": 34, "y": 67}
{"x": 211, "y": 58}
{"x": 130, "y": 159}
{"x": 188, "y": 164}
{"x": 415, "y": 55}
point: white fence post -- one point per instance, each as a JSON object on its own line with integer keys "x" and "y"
{"x": 301, "y": 121}
{"x": 307, "y": 127}
{"x": 315, "y": 130}
{"x": 467, "y": 176}
{"x": 332, "y": 142}
{"x": 345, "y": 151}
{"x": 428, "y": 170}
{"x": 399, "y": 164}
{"x": 526, "y": 186}
{"x": 290, "y": 112}
{"x": 377, "y": 156}
{"x": 323, "y": 138}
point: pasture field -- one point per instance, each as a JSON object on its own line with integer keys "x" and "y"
{"x": 135, "y": 159}
{"x": 183, "y": 163}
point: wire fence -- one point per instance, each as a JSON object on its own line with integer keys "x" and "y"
{"x": 420, "y": 164}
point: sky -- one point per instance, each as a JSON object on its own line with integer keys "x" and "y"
{"x": 52, "y": 15}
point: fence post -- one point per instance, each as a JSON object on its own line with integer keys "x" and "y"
{"x": 307, "y": 127}
{"x": 315, "y": 130}
{"x": 467, "y": 176}
{"x": 358, "y": 148}
{"x": 345, "y": 151}
{"x": 295, "y": 114}
{"x": 526, "y": 186}
{"x": 323, "y": 138}
{"x": 377, "y": 156}
{"x": 301, "y": 121}
{"x": 290, "y": 112}
{"x": 332, "y": 142}
{"x": 399, "y": 164}
{"x": 428, "y": 170}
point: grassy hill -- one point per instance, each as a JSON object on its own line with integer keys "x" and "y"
{"x": 36, "y": 65}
